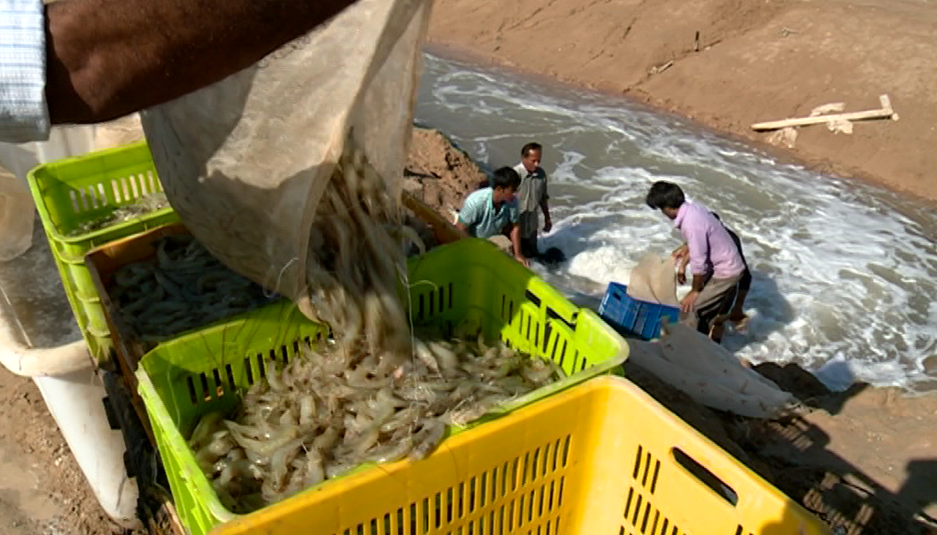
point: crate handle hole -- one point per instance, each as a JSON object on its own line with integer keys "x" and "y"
{"x": 703, "y": 474}
{"x": 532, "y": 297}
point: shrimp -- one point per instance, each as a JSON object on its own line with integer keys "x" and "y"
{"x": 335, "y": 406}
{"x": 426, "y": 440}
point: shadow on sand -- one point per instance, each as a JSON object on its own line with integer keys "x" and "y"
{"x": 793, "y": 455}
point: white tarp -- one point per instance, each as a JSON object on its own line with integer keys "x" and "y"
{"x": 692, "y": 363}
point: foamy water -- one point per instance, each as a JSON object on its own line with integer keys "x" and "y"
{"x": 845, "y": 274}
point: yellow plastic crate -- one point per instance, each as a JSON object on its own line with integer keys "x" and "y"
{"x": 600, "y": 458}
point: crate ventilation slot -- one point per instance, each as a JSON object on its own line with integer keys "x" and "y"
{"x": 89, "y": 198}
{"x": 646, "y": 469}
{"x": 433, "y": 302}
{"x": 214, "y": 384}
{"x": 529, "y": 489}
{"x": 645, "y": 518}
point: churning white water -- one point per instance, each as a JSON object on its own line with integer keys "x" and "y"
{"x": 845, "y": 274}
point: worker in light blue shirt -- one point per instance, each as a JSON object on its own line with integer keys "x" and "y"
{"x": 492, "y": 211}
{"x": 90, "y": 61}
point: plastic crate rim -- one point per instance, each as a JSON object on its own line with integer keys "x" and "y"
{"x": 40, "y": 201}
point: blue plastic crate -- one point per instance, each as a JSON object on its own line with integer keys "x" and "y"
{"x": 633, "y": 316}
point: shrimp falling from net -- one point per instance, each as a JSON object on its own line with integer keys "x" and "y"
{"x": 356, "y": 267}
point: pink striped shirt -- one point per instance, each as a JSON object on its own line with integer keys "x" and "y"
{"x": 711, "y": 248}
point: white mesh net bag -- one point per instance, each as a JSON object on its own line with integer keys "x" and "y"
{"x": 289, "y": 171}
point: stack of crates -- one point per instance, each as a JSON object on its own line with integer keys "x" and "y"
{"x": 72, "y": 192}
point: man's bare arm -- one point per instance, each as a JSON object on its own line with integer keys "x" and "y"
{"x": 516, "y": 243}
{"x": 109, "y": 58}
{"x": 547, "y": 221}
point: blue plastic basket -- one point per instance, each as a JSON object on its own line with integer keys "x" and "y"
{"x": 633, "y": 316}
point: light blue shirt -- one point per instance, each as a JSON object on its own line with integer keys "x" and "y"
{"x": 479, "y": 215}
{"x": 24, "y": 116}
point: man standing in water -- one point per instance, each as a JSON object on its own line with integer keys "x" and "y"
{"x": 737, "y": 315}
{"x": 533, "y": 198}
{"x": 492, "y": 211}
{"x": 714, "y": 258}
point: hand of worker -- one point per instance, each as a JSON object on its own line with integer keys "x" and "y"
{"x": 524, "y": 262}
{"x": 547, "y": 224}
{"x": 680, "y": 253}
{"x": 688, "y": 301}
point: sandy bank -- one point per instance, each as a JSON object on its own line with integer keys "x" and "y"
{"x": 751, "y": 62}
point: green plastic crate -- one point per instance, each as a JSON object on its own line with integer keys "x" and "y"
{"x": 74, "y": 191}
{"x": 190, "y": 376}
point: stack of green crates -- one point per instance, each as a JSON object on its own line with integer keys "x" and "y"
{"x": 75, "y": 191}
{"x": 469, "y": 280}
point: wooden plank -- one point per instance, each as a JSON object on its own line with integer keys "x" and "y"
{"x": 885, "y": 111}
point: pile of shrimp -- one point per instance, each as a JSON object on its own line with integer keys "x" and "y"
{"x": 144, "y": 205}
{"x": 320, "y": 417}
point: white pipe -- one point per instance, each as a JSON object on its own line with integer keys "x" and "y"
{"x": 43, "y": 362}
{"x": 26, "y": 361}
{"x": 74, "y": 399}
{"x": 70, "y": 387}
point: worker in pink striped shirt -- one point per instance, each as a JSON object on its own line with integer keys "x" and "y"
{"x": 715, "y": 261}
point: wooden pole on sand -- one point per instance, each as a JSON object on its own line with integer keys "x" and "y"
{"x": 885, "y": 111}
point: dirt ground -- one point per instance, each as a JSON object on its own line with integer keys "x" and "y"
{"x": 439, "y": 174}
{"x": 42, "y": 490}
